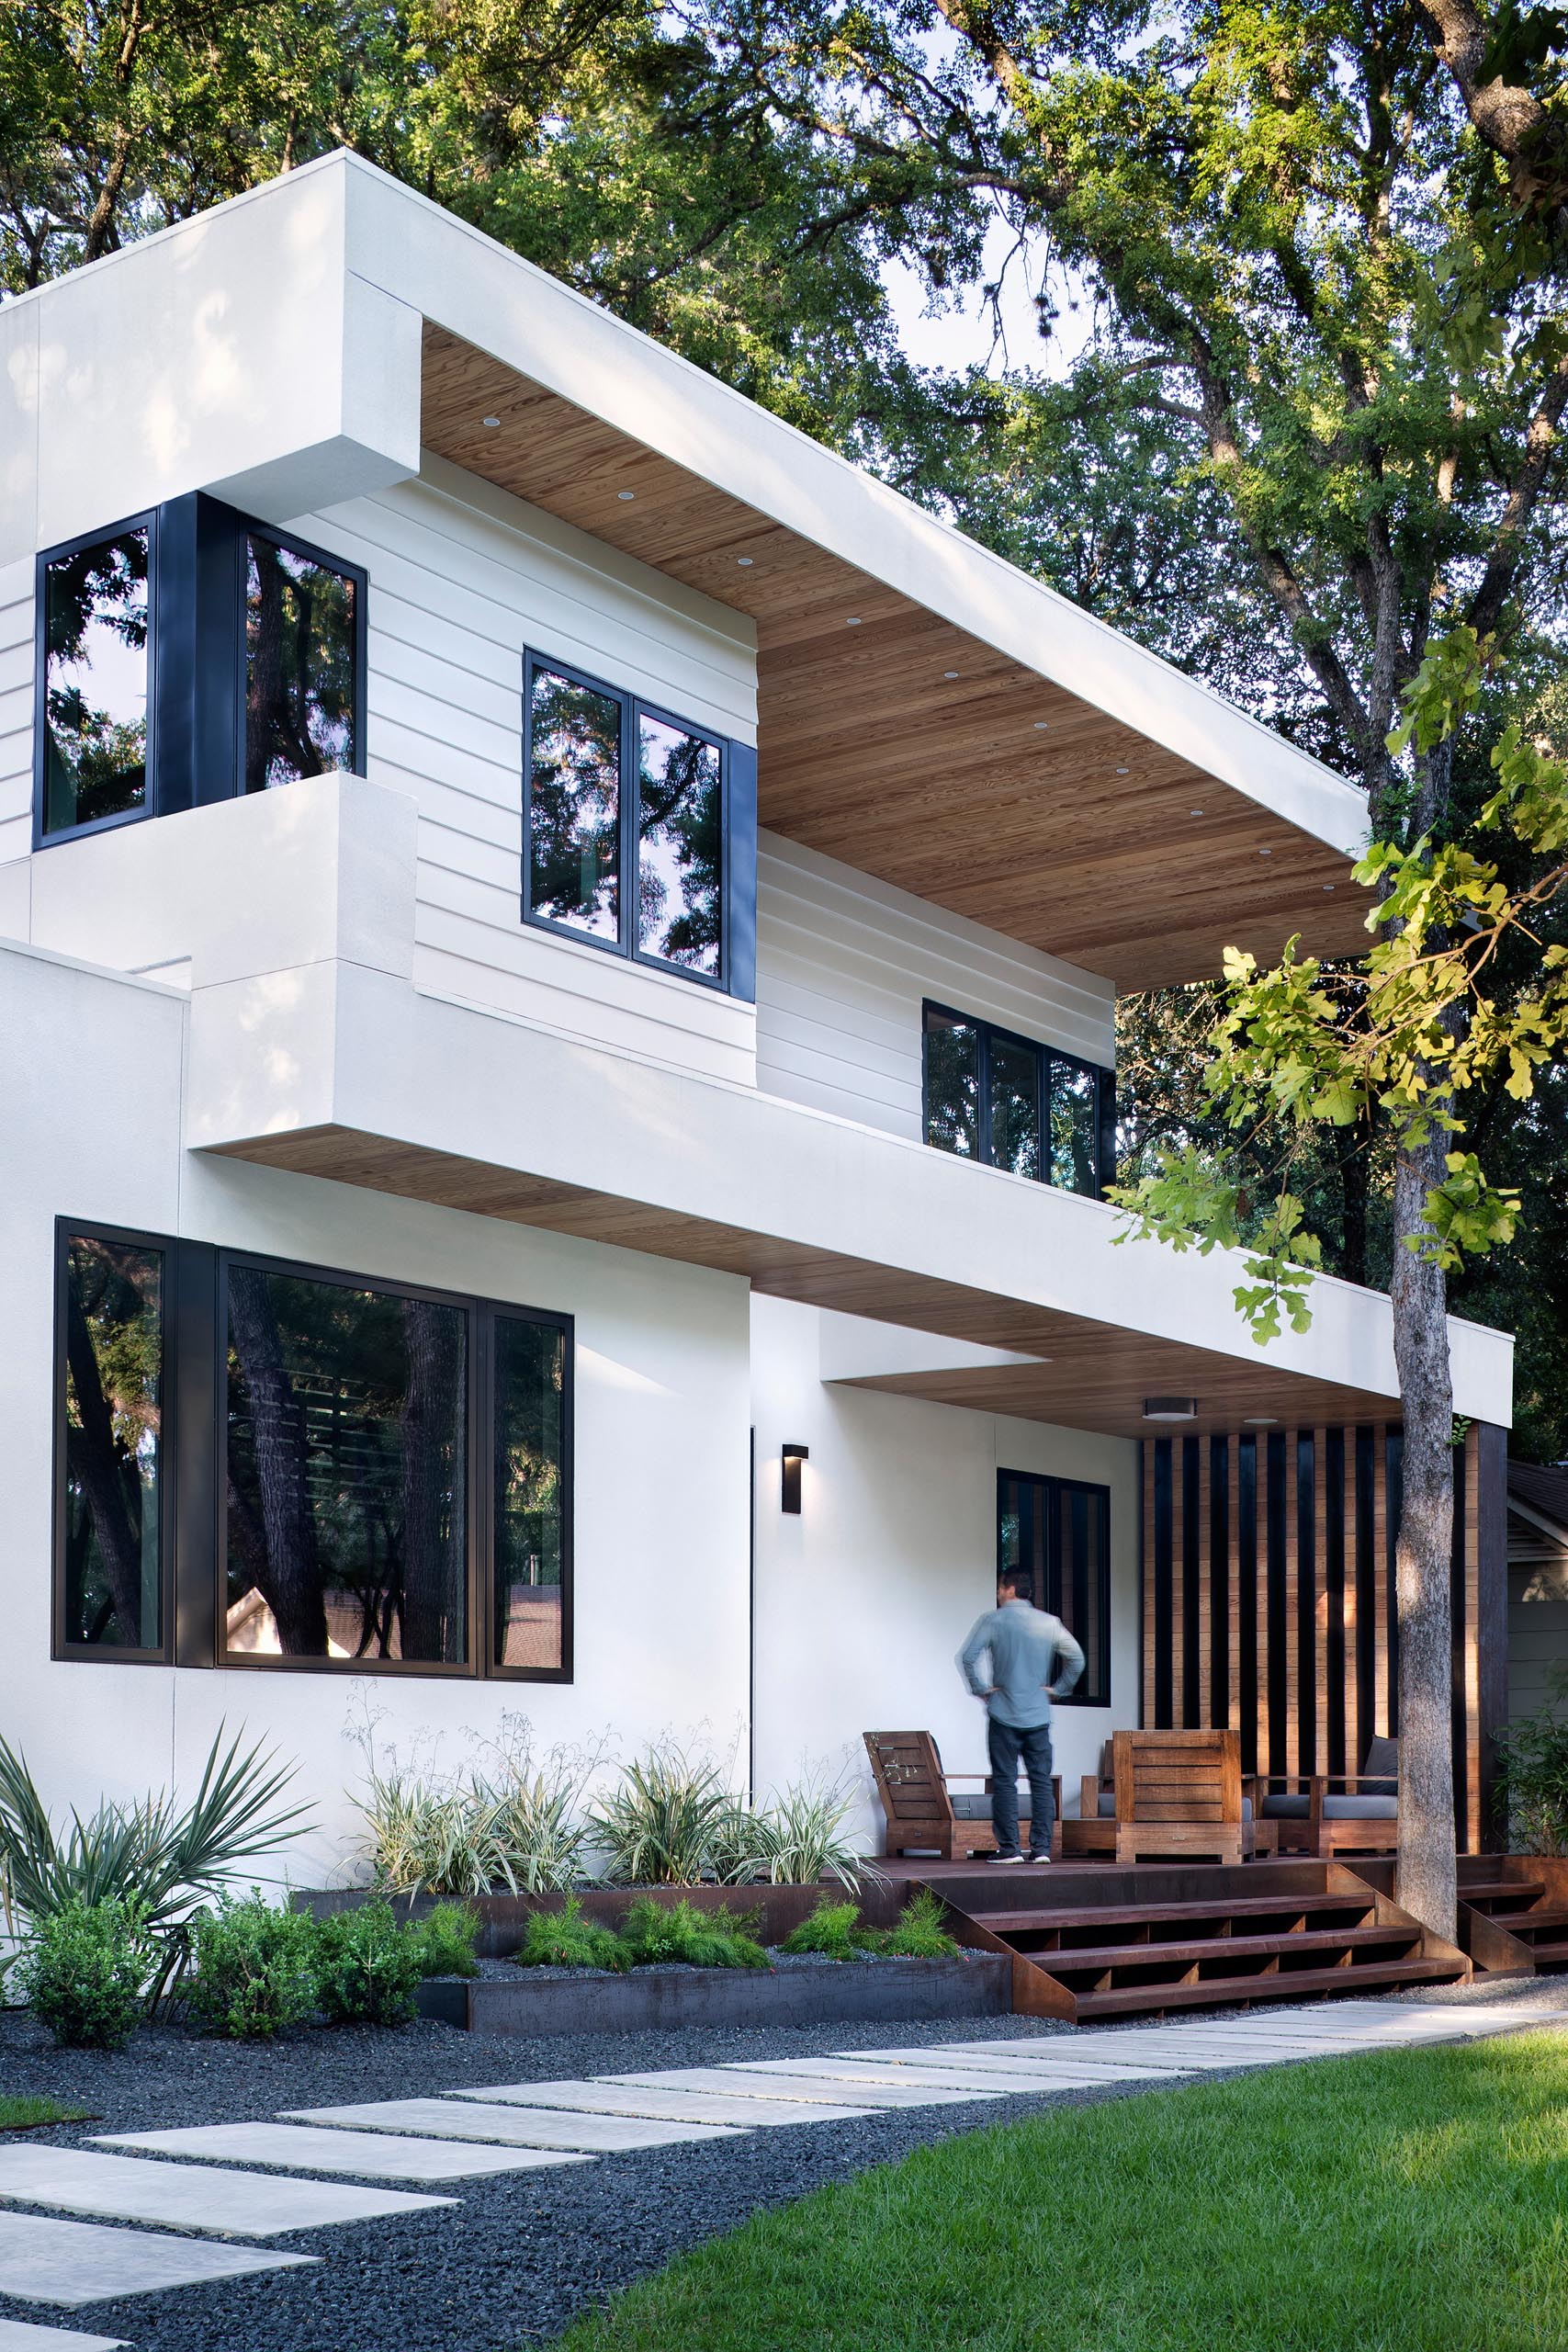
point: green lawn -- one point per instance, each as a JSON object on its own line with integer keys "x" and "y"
{"x": 1416, "y": 2202}
{"x": 26, "y": 2114}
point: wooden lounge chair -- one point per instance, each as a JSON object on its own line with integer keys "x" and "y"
{"x": 1171, "y": 1794}
{"x": 1324, "y": 1814}
{"x": 923, "y": 1814}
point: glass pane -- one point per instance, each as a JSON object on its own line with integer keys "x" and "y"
{"x": 574, "y": 806}
{"x": 1075, "y": 1135}
{"x": 1080, "y": 1535}
{"x": 96, "y": 683}
{"x": 530, "y": 1364}
{"x": 1021, "y": 1532}
{"x": 1015, "y": 1106}
{"x": 679, "y": 870}
{"x": 114, "y": 1380}
{"x": 348, "y": 1517}
{"x": 953, "y": 1084}
{"x": 299, "y": 667}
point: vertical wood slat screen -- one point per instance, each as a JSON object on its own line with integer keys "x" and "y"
{"x": 1269, "y": 1598}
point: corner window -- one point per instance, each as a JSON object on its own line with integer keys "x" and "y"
{"x": 1011, "y": 1103}
{"x": 530, "y": 1504}
{"x": 1053, "y": 1541}
{"x": 626, "y": 819}
{"x": 111, "y": 1464}
{"x": 301, "y": 664}
{"x": 96, "y": 626}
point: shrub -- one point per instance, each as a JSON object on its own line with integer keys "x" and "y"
{"x": 652, "y": 1932}
{"x": 564, "y": 1939}
{"x": 447, "y": 1939}
{"x": 1532, "y": 1757}
{"x": 368, "y": 1966}
{"x": 85, "y": 1971}
{"x": 833, "y": 1929}
{"x": 660, "y": 1827}
{"x": 802, "y": 1834}
{"x": 511, "y": 1834}
{"x": 920, "y": 1934}
{"x": 256, "y": 1968}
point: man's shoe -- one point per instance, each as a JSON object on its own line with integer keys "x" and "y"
{"x": 1004, "y": 1858}
{"x": 1040, "y": 1858}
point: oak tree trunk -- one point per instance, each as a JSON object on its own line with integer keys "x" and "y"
{"x": 1427, "y": 1876}
{"x": 292, "y": 1584}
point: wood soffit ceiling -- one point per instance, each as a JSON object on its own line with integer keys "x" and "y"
{"x": 1096, "y": 1376}
{"x": 1080, "y": 840}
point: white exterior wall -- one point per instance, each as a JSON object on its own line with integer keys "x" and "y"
{"x": 661, "y": 1438}
{"x": 15, "y": 740}
{"x": 862, "y": 1602}
{"x": 844, "y": 963}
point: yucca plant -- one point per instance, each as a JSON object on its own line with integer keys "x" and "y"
{"x": 801, "y": 1835}
{"x": 534, "y": 1827}
{"x": 660, "y": 1827}
{"x": 161, "y": 1859}
{"x": 515, "y": 1836}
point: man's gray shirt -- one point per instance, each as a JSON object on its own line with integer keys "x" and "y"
{"x": 1032, "y": 1659}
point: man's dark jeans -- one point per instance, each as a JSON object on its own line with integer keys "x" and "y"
{"x": 1008, "y": 1744}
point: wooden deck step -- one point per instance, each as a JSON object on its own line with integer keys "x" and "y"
{"x": 1289, "y": 1984}
{"x": 1136, "y": 1914}
{"x": 1105, "y": 1957}
{"x": 1502, "y": 1890}
{"x": 1550, "y": 1953}
{"x": 1525, "y": 1923}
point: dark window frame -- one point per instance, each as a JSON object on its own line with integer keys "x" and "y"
{"x": 1047, "y": 1057}
{"x": 634, "y": 707}
{"x": 307, "y": 552}
{"x": 196, "y": 656}
{"x": 44, "y": 838}
{"x": 66, "y": 1230}
{"x": 1087, "y": 1693}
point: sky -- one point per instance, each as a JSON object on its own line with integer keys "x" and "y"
{"x": 955, "y": 338}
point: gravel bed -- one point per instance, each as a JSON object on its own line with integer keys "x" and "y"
{"x": 511, "y": 2265}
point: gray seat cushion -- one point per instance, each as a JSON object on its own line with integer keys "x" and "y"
{"x": 1361, "y": 1808}
{"x": 1289, "y": 1806}
{"x": 978, "y": 1808}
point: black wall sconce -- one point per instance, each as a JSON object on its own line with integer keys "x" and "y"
{"x": 794, "y": 1455}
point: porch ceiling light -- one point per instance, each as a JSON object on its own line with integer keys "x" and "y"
{"x": 794, "y": 1455}
{"x": 1171, "y": 1409}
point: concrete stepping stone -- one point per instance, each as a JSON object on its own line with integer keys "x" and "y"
{"x": 513, "y": 2126}
{"x": 876, "y": 2086}
{"x": 978, "y": 2065}
{"x": 773, "y": 2082}
{"x": 46, "y": 2261}
{"x": 25, "y": 2335}
{"x": 933, "y": 2085}
{"x": 676, "y": 2107}
{"x": 374, "y": 2155}
{"x": 186, "y": 2197}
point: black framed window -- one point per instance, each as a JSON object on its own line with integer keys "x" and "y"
{"x": 1011, "y": 1103}
{"x": 637, "y": 835}
{"x": 1053, "y": 1541}
{"x": 93, "y": 680}
{"x": 186, "y": 656}
{"x": 112, "y": 1482}
{"x": 375, "y": 1477}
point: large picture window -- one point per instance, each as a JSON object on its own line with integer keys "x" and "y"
{"x": 627, "y": 824}
{"x": 95, "y": 618}
{"x": 373, "y": 1477}
{"x": 1011, "y": 1103}
{"x": 1053, "y": 1541}
{"x": 111, "y": 1458}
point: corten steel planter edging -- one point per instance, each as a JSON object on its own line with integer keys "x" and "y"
{"x": 974, "y": 1985}
{"x": 505, "y": 1917}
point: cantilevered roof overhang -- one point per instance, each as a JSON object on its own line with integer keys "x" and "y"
{"x": 927, "y": 713}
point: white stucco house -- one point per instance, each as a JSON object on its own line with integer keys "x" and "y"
{"x": 558, "y": 947}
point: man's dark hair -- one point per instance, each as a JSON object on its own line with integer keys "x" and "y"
{"x": 1008, "y": 1582}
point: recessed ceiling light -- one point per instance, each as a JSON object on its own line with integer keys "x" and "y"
{"x": 1261, "y": 1421}
{"x": 1123, "y": 771}
{"x": 1194, "y": 812}
{"x": 1041, "y": 725}
{"x": 625, "y": 495}
{"x": 491, "y": 420}
{"x": 745, "y": 561}
{"x": 1265, "y": 853}
{"x": 853, "y": 621}
{"x": 950, "y": 673}
{"x": 1171, "y": 1409}
{"x": 1328, "y": 886}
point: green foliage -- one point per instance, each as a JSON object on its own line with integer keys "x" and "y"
{"x": 655, "y": 1932}
{"x": 23, "y": 2114}
{"x": 1532, "y": 1764}
{"x": 564, "y": 1939}
{"x": 256, "y": 1968}
{"x": 833, "y": 1929}
{"x": 919, "y": 1933}
{"x": 85, "y": 1971}
{"x": 660, "y": 1827}
{"x": 448, "y": 1936}
{"x": 800, "y": 1836}
{"x": 152, "y": 1856}
{"x": 508, "y": 1831}
{"x": 368, "y": 1966}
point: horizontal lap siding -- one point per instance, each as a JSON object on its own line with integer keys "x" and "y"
{"x": 16, "y": 711}
{"x": 462, "y": 579}
{"x": 843, "y": 965}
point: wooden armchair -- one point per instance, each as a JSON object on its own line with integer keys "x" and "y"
{"x": 1324, "y": 1814}
{"x": 923, "y": 1814}
{"x": 1172, "y": 1794}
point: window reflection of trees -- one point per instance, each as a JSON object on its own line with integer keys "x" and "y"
{"x": 679, "y": 870}
{"x": 574, "y": 805}
{"x": 114, "y": 1372}
{"x": 96, "y": 613}
{"x": 300, "y": 665}
{"x": 347, "y": 1512}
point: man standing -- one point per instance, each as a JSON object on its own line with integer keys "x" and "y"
{"x": 1031, "y": 1659}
